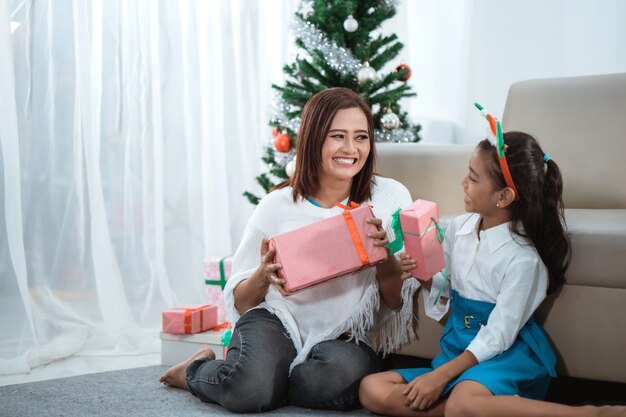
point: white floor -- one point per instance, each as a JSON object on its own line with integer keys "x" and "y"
{"x": 80, "y": 365}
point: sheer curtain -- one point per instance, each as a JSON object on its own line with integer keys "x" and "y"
{"x": 128, "y": 132}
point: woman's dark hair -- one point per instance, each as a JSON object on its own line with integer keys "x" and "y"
{"x": 538, "y": 214}
{"x": 316, "y": 119}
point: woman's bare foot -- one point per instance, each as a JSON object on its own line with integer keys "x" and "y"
{"x": 176, "y": 376}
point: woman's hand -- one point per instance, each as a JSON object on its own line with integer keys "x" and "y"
{"x": 380, "y": 236}
{"x": 250, "y": 292}
{"x": 387, "y": 272}
{"x": 267, "y": 270}
{"x": 425, "y": 390}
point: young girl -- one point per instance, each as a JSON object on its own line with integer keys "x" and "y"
{"x": 502, "y": 257}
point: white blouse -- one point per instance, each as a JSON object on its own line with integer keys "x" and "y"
{"x": 495, "y": 266}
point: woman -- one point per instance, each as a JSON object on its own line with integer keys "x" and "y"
{"x": 311, "y": 348}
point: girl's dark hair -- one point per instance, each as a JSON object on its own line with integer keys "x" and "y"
{"x": 538, "y": 214}
{"x": 316, "y": 118}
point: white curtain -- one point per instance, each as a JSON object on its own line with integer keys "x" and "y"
{"x": 129, "y": 131}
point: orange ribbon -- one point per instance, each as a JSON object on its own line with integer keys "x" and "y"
{"x": 187, "y": 319}
{"x": 354, "y": 231}
{"x": 352, "y": 205}
{"x": 222, "y": 325}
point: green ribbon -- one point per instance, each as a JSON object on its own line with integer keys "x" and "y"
{"x": 397, "y": 243}
{"x": 222, "y": 281}
{"x": 228, "y": 334}
{"x": 441, "y": 235}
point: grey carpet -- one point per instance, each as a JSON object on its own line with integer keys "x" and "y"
{"x": 132, "y": 392}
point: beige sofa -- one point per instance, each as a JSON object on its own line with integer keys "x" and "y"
{"x": 581, "y": 122}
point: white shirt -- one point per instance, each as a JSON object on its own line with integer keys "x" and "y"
{"x": 346, "y": 304}
{"x": 496, "y": 266}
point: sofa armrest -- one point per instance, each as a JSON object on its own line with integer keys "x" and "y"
{"x": 430, "y": 171}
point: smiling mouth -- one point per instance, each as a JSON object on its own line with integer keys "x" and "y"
{"x": 345, "y": 161}
{"x": 467, "y": 199}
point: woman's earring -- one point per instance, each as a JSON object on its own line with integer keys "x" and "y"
{"x": 498, "y": 205}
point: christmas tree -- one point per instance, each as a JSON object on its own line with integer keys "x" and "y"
{"x": 342, "y": 47}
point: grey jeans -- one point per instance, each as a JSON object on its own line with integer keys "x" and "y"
{"x": 254, "y": 377}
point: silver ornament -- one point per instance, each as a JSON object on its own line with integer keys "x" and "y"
{"x": 366, "y": 73}
{"x": 290, "y": 168}
{"x": 390, "y": 120}
{"x": 350, "y": 24}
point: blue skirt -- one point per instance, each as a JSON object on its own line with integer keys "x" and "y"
{"x": 524, "y": 369}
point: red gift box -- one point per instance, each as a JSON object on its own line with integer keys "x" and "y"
{"x": 190, "y": 319}
{"x": 327, "y": 249}
{"x": 423, "y": 238}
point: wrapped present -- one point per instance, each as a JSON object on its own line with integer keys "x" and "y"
{"x": 217, "y": 270}
{"x": 214, "y": 295}
{"x": 327, "y": 249}
{"x": 190, "y": 319}
{"x": 423, "y": 238}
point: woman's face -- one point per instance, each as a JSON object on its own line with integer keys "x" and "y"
{"x": 346, "y": 146}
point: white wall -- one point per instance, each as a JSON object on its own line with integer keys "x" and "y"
{"x": 463, "y": 51}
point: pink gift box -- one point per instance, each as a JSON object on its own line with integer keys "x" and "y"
{"x": 190, "y": 319}
{"x": 214, "y": 284}
{"x": 420, "y": 238}
{"x": 213, "y": 295}
{"x": 212, "y": 269}
{"x": 330, "y": 248}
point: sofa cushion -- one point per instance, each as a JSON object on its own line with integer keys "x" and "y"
{"x": 580, "y": 122}
{"x": 598, "y": 239}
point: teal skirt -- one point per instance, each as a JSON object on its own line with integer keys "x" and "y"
{"x": 524, "y": 369}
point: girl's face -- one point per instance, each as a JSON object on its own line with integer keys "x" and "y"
{"x": 481, "y": 195}
{"x": 346, "y": 146}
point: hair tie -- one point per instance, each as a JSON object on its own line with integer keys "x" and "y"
{"x": 546, "y": 157}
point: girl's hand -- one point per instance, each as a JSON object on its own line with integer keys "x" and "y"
{"x": 424, "y": 391}
{"x": 407, "y": 264}
{"x": 267, "y": 270}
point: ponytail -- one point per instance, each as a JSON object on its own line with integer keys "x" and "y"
{"x": 551, "y": 241}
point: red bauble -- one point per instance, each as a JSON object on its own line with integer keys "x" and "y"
{"x": 282, "y": 143}
{"x": 404, "y": 67}
{"x": 275, "y": 132}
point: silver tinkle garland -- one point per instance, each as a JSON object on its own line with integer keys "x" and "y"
{"x": 396, "y": 135}
{"x": 337, "y": 57}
